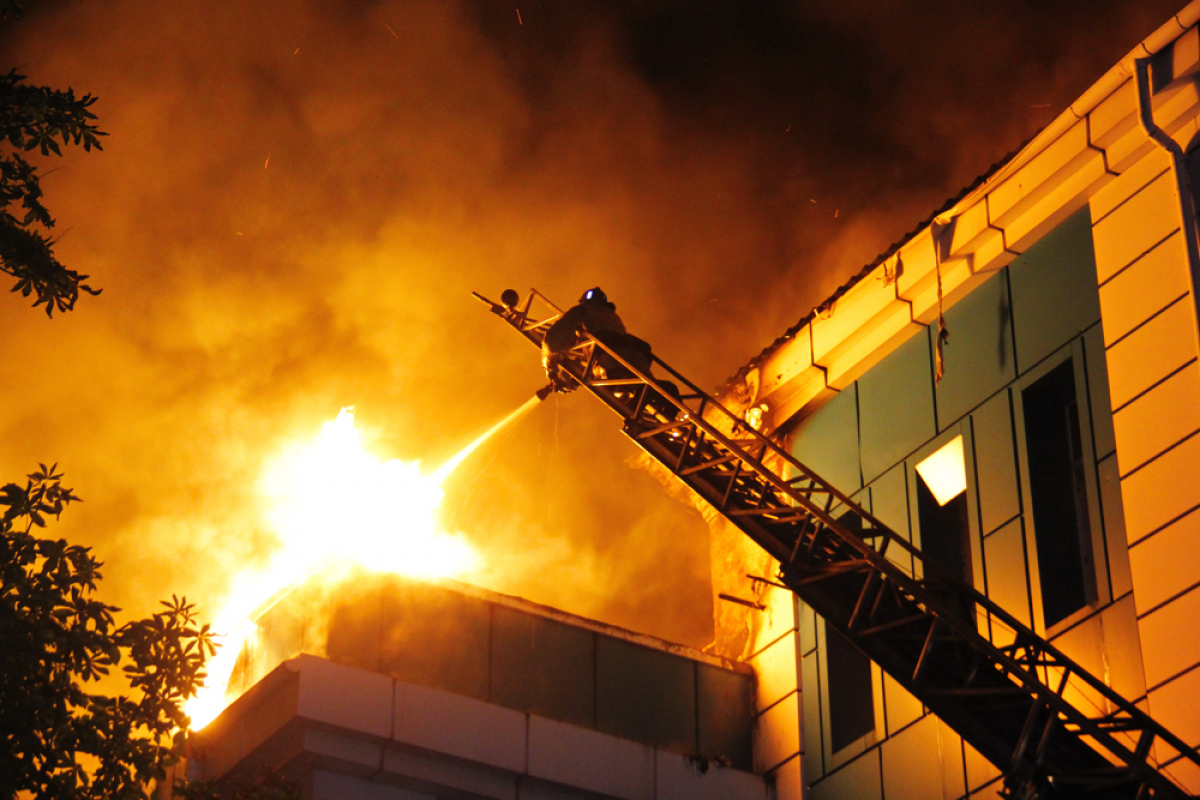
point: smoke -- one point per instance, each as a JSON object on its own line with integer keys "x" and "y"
{"x": 297, "y": 198}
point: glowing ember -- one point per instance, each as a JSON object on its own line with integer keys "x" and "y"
{"x": 334, "y": 505}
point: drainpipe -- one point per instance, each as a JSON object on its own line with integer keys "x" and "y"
{"x": 1187, "y": 210}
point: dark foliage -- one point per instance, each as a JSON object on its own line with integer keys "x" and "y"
{"x": 60, "y": 737}
{"x": 43, "y": 119}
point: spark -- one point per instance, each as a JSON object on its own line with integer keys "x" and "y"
{"x": 519, "y": 22}
{"x": 392, "y": 32}
{"x": 268, "y": 161}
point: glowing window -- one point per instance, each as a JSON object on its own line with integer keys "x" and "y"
{"x": 945, "y": 471}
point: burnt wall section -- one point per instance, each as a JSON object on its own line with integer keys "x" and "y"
{"x": 521, "y": 656}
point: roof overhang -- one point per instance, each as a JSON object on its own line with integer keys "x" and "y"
{"x": 1092, "y": 142}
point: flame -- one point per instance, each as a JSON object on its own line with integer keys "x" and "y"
{"x": 333, "y": 505}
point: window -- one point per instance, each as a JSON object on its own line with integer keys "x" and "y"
{"x": 851, "y": 698}
{"x": 1058, "y": 487}
{"x": 851, "y": 701}
{"x": 942, "y": 510}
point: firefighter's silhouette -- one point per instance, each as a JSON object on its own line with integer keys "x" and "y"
{"x": 594, "y": 315}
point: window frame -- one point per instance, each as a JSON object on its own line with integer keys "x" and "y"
{"x": 831, "y": 758}
{"x": 961, "y": 428}
{"x": 1096, "y": 579}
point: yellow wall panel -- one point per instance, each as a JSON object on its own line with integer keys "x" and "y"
{"x": 1144, "y": 288}
{"x": 1129, "y": 183}
{"x": 778, "y": 671}
{"x": 1158, "y": 419}
{"x": 1165, "y": 652}
{"x": 1165, "y": 564}
{"x": 1162, "y": 491}
{"x": 777, "y": 734}
{"x": 1136, "y": 226}
{"x": 1151, "y": 353}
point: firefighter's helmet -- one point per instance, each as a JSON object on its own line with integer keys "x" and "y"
{"x": 595, "y": 295}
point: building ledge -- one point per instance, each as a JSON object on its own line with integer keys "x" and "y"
{"x": 324, "y": 725}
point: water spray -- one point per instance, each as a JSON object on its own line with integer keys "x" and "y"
{"x": 451, "y": 465}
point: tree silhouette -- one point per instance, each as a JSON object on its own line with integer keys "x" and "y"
{"x": 60, "y": 737}
{"x": 37, "y": 118}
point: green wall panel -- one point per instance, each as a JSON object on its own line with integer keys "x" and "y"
{"x": 826, "y": 441}
{"x": 860, "y": 779}
{"x": 725, "y": 712}
{"x": 1103, "y": 436}
{"x": 436, "y": 637}
{"x": 645, "y": 695}
{"x": 1007, "y": 578}
{"x": 895, "y": 406}
{"x": 810, "y": 677}
{"x": 543, "y": 666}
{"x": 1054, "y": 293}
{"x": 355, "y": 633}
{"x": 1122, "y": 639}
{"x": 913, "y": 763}
{"x": 889, "y": 501}
{"x": 995, "y": 463}
{"x": 1113, "y": 509}
{"x": 978, "y": 358}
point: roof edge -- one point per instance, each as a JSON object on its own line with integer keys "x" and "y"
{"x": 1098, "y": 92}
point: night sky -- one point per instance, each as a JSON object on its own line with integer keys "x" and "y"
{"x": 296, "y": 199}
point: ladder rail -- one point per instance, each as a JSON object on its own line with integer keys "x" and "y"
{"x": 704, "y": 422}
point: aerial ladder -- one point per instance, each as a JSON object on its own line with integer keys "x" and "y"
{"x": 1052, "y": 728}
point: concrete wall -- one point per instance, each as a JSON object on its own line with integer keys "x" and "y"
{"x": 521, "y": 656}
{"x": 352, "y": 734}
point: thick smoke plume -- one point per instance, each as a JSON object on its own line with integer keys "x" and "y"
{"x": 296, "y": 199}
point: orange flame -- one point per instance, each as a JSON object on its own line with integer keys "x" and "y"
{"x": 334, "y": 505}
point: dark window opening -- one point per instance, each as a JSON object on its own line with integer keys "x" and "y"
{"x": 1058, "y": 486}
{"x": 945, "y": 541}
{"x": 945, "y": 532}
{"x": 851, "y": 701}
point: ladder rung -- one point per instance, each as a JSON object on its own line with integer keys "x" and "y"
{"x": 716, "y": 462}
{"x": 752, "y": 512}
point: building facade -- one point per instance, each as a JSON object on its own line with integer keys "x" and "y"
{"x": 428, "y": 689}
{"x": 1054, "y": 465}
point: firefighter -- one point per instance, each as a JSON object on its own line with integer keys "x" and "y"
{"x": 594, "y": 312}
{"x": 597, "y": 315}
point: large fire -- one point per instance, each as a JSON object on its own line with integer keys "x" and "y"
{"x": 333, "y": 505}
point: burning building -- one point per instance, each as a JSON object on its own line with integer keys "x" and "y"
{"x": 444, "y": 689}
{"x": 1009, "y": 398}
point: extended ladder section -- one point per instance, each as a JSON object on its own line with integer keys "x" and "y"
{"x": 1050, "y": 726}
